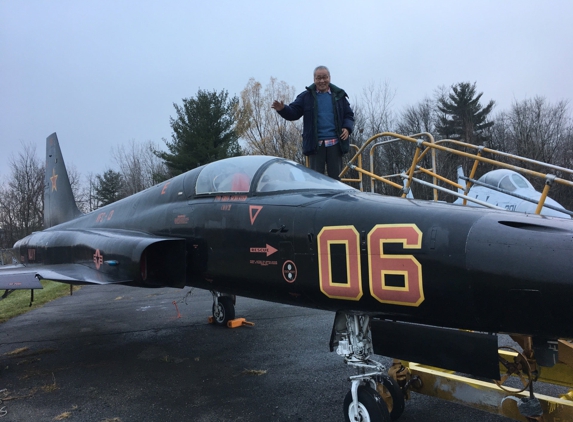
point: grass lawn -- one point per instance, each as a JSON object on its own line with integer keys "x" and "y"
{"x": 19, "y": 301}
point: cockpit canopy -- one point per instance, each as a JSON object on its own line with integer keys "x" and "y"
{"x": 508, "y": 180}
{"x": 258, "y": 173}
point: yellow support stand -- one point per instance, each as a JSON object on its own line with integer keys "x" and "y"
{"x": 234, "y": 323}
{"x": 239, "y": 322}
{"x": 487, "y": 396}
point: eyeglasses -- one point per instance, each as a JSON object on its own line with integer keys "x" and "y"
{"x": 321, "y": 78}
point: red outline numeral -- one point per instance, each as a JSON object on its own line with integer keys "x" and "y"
{"x": 380, "y": 264}
{"x": 342, "y": 235}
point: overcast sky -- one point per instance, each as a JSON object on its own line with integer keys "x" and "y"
{"x": 102, "y": 73}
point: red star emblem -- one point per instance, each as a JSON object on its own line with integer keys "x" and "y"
{"x": 54, "y": 179}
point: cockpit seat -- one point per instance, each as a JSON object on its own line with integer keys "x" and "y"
{"x": 241, "y": 183}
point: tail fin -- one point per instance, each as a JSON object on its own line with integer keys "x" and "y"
{"x": 59, "y": 203}
{"x": 409, "y": 194}
{"x": 461, "y": 180}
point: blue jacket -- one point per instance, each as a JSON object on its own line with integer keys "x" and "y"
{"x": 305, "y": 105}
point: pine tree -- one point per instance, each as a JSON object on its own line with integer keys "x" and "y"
{"x": 463, "y": 118}
{"x": 108, "y": 187}
{"x": 203, "y": 131}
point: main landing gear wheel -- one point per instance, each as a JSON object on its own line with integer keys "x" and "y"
{"x": 392, "y": 395}
{"x": 223, "y": 310}
{"x": 520, "y": 367}
{"x": 371, "y": 407}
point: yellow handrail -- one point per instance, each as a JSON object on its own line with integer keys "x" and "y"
{"x": 448, "y": 146}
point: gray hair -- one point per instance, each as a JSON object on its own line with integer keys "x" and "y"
{"x": 321, "y": 68}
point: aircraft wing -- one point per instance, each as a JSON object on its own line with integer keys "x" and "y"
{"x": 64, "y": 273}
{"x": 14, "y": 277}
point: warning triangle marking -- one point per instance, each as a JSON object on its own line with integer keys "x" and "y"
{"x": 254, "y": 211}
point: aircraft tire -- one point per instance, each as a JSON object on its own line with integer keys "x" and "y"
{"x": 371, "y": 407}
{"x": 225, "y": 311}
{"x": 392, "y": 395}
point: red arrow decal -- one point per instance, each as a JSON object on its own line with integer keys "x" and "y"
{"x": 269, "y": 250}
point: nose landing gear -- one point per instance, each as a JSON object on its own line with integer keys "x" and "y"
{"x": 223, "y": 308}
{"x": 363, "y": 404}
{"x": 373, "y": 396}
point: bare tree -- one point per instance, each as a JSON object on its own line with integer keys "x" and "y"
{"x": 139, "y": 166}
{"x": 85, "y": 194}
{"x": 418, "y": 118}
{"x": 376, "y": 106}
{"x": 414, "y": 119}
{"x": 264, "y": 130}
{"x": 537, "y": 129}
{"x": 22, "y": 197}
{"x": 79, "y": 190}
{"x": 372, "y": 115}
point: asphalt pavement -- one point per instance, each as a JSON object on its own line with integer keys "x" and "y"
{"x": 121, "y": 354}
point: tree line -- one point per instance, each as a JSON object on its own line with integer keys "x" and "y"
{"x": 213, "y": 125}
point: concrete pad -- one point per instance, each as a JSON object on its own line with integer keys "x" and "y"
{"x": 118, "y": 352}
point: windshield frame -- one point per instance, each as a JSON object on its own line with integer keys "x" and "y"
{"x": 257, "y": 167}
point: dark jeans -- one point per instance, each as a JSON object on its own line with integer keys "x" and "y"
{"x": 329, "y": 156}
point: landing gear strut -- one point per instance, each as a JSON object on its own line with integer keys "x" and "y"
{"x": 223, "y": 308}
{"x": 373, "y": 396}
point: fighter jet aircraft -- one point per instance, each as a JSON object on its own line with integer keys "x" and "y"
{"x": 509, "y": 190}
{"x": 399, "y": 273}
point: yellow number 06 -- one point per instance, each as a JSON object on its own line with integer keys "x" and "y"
{"x": 380, "y": 265}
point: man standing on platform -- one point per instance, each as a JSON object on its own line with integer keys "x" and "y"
{"x": 328, "y": 121}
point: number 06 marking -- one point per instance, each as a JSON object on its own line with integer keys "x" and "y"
{"x": 380, "y": 265}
